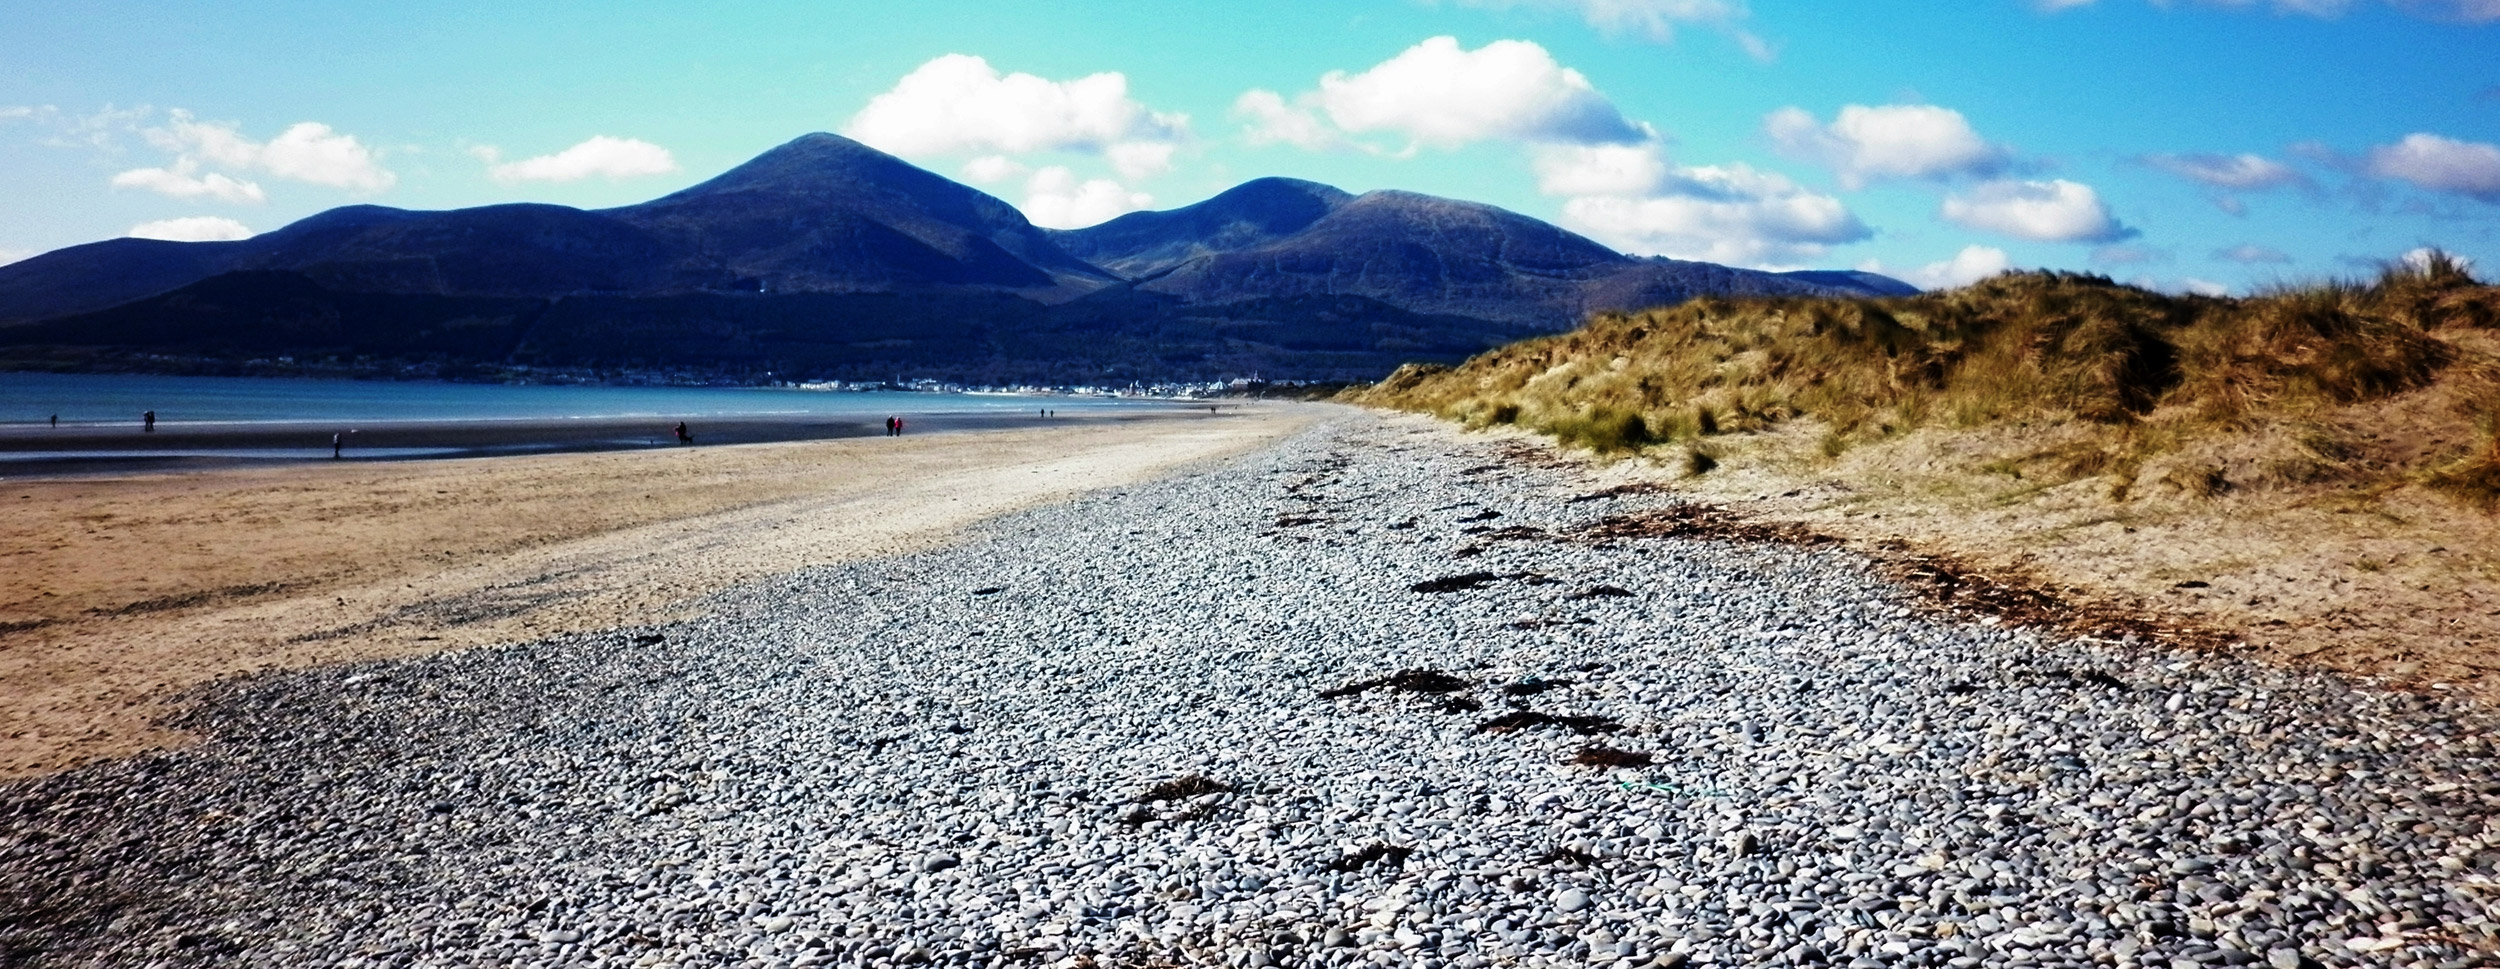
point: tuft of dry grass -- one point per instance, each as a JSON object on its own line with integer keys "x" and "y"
{"x": 2286, "y": 389}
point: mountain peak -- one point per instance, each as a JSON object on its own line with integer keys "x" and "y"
{"x": 1245, "y": 216}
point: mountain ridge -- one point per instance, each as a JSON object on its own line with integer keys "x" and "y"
{"x": 1393, "y": 272}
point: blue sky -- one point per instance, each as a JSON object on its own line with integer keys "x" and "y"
{"x": 2184, "y": 144}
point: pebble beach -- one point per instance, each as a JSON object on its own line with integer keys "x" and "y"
{"x": 1380, "y": 694}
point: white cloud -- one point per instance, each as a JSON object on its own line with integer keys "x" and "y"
{"x": 959, "y": 103}
{"x": 307, "y": 151}
{"x": 1968, "y": 266}
{"x": 1141, "y": 159}
{"x": 1654, "y": 20}
{"x": 1624, "y": 170}
{"x": 2420, "y": 259}
{"x": 601, "y": 155}
{"x": 2242, "y": 172}
{"x": 180, "y": 180}
{"x": 1863, "y": 144}
{"x": 2441, "y": 165}
{"x": 2456, "y": 11}
{"x": 989, "y": 169}
{"x": 2250, "y": 253}
{"x": 2051, "y": 211}
{"x": 1726, "y": 214}
{"x": 1271, "y": 121}
{"x": 1437, "y": 94}
{"x": 197, "y": 228}
{"x": 1054, "y": 198}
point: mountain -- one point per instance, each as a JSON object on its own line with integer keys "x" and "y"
{"x": 824, "y": 257}
{"x": 1257, "y": 212}
{"x": 1422, "y": 253}
{"x": 828, "y": 214}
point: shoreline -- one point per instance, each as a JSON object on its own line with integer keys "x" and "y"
{"x": 133, "y": 589}
{"x": 38, "y": 451}
{"x": 1377, "y": 692}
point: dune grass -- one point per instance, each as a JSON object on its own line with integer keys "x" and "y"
{"x": 2351, "y": 384}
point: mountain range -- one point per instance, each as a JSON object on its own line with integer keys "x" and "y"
{"x": 825, "y": 258}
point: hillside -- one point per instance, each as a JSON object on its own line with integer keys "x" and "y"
{"x": 2314, "y": 470}
{"x": 826, "y": 258}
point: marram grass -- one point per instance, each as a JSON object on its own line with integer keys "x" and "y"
{"x": 2311, "y": 369}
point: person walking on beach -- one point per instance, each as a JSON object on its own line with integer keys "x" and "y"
{"x": 147, "y": 422}
{"x": 56, "y": 420}
{"x": 684, "y": 436}
{"x": 338, "y": 445}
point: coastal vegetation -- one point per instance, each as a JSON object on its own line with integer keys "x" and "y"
{"x": 2356, "y": 385}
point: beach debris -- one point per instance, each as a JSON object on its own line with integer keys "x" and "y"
{"x": 1602, "y": 591}
{"x": 1371, "y": 854}
{"x": 1184, "y": 787}
{"x": 1410, "y": 681}
{"x": 2192, "y": 584}
{"x": 2087, "y": 678}
{"x": 1455, "y": 583}
{"x": 1406, "y": 525}
{"x": 650, "y": 639}
{"x": 1696, "y": 520}
{"x": 1482, "y": 516}
{"x": 1600, "y": 755}
{"x": 1535, "y": 685}
{"x": 1531, "y": 719}
{"x": 1618, "y": 491}
{"x": 1566, "y": 856}
{"x": 989, "y": 590}
{"x": 1460, "y": 704}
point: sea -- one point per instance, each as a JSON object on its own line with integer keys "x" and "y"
{"x": 90, "y": 399}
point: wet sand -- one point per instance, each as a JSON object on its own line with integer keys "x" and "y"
{"x": 39, "y": 450}
{"x": 119, "y": 592}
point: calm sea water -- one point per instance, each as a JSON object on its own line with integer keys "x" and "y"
{"x": 98, "y": 398}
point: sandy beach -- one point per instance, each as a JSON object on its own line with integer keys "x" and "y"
{"x": 121, "y": 592}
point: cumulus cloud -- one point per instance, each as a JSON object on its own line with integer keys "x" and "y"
{"x": 2439, "y": 164}
{"x": 1055, "y": 198}
{"x": 2249, "y": 253}
{"x": 1437, "y": 94}
{"x": 1654, "y": 20}
{"x": 960, "y": 104}
{"x": 1723, "y": 213}
{"x": 197, "y": 228}
{"x": 601, "y": 156}
{"x": 989, "y": 169}
{"x": 182, "y": 180}
{"x": 2452, "y": 11}
{"x": 2420, "y": 259}
{"x": 2242, "y": 172}
{"x": 1864, "y": 144}
{"x": 1268, "y": 120}
{"x": 307, "y": 151}
{"x": 1622, "y": 170}
{"x": 1968, "y": 266}
{"x": 2052, "y": 211}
